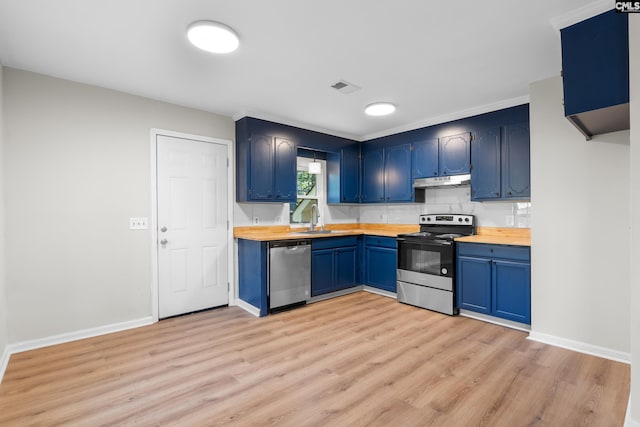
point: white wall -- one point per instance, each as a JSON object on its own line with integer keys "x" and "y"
{"x": 634, "y": 73}
{"x": 580, "y": 227}
{"x": 4, "y": 333}
{"x": 77, "y": 166}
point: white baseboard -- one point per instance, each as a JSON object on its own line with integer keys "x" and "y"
{"x": 380, "y": 292}
{"x": 68, "y": 337}
{"x": 78, "y": 335}
{"x": 248, "y": 307}
{"x": 335, "y": 294}
{"x": 581, "y": 347}
{"x": 495, "y": 320}
{"x": 4, "y": 362}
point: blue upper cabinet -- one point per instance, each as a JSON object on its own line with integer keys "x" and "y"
{"x": 265, "y": 166}
{"x": 516, "y": 176}
{"x": 285, "y": 170}
{"x": 595, "y": 73}
{"x": 386, "y": 174}
{"x": 455, "y": 154}
{"x": 501, "y": 163}
{"x": 270, "y": 169}
{"x": 372, "y": 175}
{"x": 266, "y": 161}
{"x": 398, "y": 181}
{"x": 350, "y": 174}
{"x": 485, "y": 173}
{"x": 425, "y": 158}
{"x": 260, "y": 169}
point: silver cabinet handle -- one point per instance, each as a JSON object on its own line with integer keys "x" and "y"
{"x": 164, "y": 241}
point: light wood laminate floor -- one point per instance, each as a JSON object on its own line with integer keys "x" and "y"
{"x": 361, "y": 359}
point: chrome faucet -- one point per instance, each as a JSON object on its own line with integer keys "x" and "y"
{"x": 312, "y": 223}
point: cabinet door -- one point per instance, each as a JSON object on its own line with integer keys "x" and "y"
{"x": 398, "y": 181}
{"x": 516, "y": 162}
{"x": 474, "y": 284}
{"x": 322, "y": 271}
{"x": 346, "y": 267}
{"x": 455, "y": 153}
{"x": 425, "y": 158}
{"x": 285, "y": 170}
{"x": 350, "y": 174}
{"x": 485, "y": 159}
{"x": 595, "y": 63}
{"x": 373, "y": 175}
{"x": 261, "y": 168}
{"x": 381, "y": 265}
{"x": 512, "y": 291}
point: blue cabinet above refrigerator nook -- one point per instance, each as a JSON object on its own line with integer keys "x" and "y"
{"x": 595, "y": 73}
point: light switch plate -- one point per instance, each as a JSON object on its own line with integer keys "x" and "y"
{"x": 138, "y": 223}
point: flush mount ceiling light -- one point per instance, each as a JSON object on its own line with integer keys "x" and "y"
{"x": 379, "y": 109}
{"x": 213, "y": 37}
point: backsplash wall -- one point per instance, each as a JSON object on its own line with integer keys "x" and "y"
{"x": 451, "y": 200}
{"x": 438, "y": 200}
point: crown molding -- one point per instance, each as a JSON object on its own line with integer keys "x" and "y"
{"x": 580, "y": 14}
{"x": 274, "y": 118}
{"x": 474, "y": 111}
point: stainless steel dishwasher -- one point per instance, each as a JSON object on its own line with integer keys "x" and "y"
{"x": 289, "y": 273}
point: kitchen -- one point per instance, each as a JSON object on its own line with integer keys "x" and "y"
{"x": 580, "y": 287}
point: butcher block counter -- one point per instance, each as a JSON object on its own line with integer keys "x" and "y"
{"x": 284, "y": 232}
{"x": 499, "y": 236}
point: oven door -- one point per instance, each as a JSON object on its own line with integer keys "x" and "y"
{"x": 423, "y": 256}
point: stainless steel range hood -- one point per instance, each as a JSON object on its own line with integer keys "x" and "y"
{"x": 442, "y": 181}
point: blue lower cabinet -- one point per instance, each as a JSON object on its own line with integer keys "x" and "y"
{"x": 334, "y": 264}
{"x": 252, "y": 273}
{"x": 512, "y": 290}
{"x": 380, "y": 258}
{"x": 494, "y": 280}
{"x": 322, "y": 271}
{"x": 346, "y": 264}
{"x": 474, "y": 291}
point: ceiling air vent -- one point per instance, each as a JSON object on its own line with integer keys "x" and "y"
{"x": 345, "y": 87}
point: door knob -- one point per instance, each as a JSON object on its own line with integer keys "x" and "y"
{"x": 163, "y": 229}
{"x": 164, "y": 241}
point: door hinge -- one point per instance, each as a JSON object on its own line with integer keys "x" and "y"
{"x": 228, "y": 286}
{"x": 227, "y": 162}
{"x": 227, "y": 224}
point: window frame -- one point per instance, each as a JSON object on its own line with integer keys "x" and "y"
{"x": 302, "y": 164}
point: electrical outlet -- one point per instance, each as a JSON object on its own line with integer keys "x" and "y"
{"x": 138, "y": 223}
{"x": 509, "y": 220}
{"x": 256, "y": 220}
{"x": 278, "y": 220}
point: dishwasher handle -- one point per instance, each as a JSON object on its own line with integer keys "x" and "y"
{"x": 289, "y": 244}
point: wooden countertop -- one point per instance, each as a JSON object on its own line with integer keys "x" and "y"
{"x": 499, "y": 236}
{"x": 284, "y": 232}
{"x": 489, "y": 235}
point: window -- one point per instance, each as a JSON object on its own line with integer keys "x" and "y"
{"x": 311, "y": 190}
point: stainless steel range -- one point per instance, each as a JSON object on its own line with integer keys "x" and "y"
{"x": 426, "y": 262}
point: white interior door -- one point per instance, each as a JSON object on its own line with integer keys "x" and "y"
{"x": 192, "y": 225}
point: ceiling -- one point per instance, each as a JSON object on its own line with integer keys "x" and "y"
{"x": 435, "y": 60}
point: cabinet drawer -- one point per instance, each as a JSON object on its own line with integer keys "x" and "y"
{"x": 520, "y": 253}
{"x": 385, "y": 242}
{"x": 334, "y": 242}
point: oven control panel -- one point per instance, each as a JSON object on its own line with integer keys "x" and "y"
{"x": 446, "y": 219}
